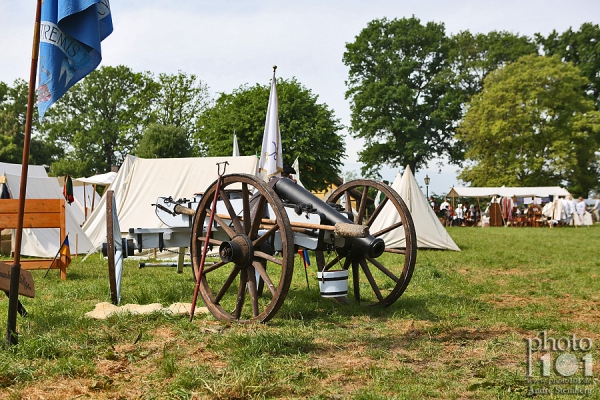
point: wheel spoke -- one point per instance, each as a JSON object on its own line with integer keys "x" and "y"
{"x": 246, "y": 207}
{"x": 383, "y": 269}
{"x": 261, "y": 239}
{"x": 232, "y": 275}
{"x": 395, "y": 251}
{"x": 252, "y": 290}
{"x": 241, "y": 295}
{"x": 230, "y": 232}
{"x": 268, "y": 257}
{"x": 370, "y": 278}
{"x": 388, "y": 229}
{"x": 377, "y": 211}
{"x": 257, "y": 217}
{"x": 212, "y": 241}
{"x": 348, "y": 200}
{"x": 263, "y": 274}
{"x": 213, "y": 267}
{"x": 362, "y": 208}
{"x": 234, "y": 218}
{"x": 356, "y": 281}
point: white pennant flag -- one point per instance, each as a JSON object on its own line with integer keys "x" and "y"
{"x": 296, "y": 166}
{"x": 236, "y": 149}
{"x": 271, "y": 160}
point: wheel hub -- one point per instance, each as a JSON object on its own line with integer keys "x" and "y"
{"x": 239, "y": 250}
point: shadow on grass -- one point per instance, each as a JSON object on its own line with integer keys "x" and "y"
{"x": 305, "y": 305}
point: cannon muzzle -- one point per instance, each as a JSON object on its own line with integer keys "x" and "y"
{"x": 289, "y": 191}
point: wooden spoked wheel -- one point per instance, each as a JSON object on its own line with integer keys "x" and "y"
{"x": 114, "y": 248}
{"x": 379, "y": 281}
{"x": 253, "y": 237}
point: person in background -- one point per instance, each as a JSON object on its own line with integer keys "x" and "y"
{"x": 569, "y": 210}
{"x": 445, "y": 212}
{"x": 460, "y": 214}
{"x": 445, "y": 205}
{"x": 432, "y": 202}
{"x": 580, "y": 207}
{"x": 596, "y": 209}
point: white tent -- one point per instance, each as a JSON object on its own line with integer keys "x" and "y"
{"x": 46, "y": 242}
{"x": 139, "y": 183}
{"x": 101, "y": 179}
{"x": 503, "y": 191}
{"x": 35, "y": 171}
{"x": 430, "y": 232}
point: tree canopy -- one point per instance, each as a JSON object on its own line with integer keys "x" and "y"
{"x": 100, "y": 120}
{"x": 13, "y": 108}
{"x": 400, "y": 105}
{"x": 582, "y": 48}
{"x": 532, "y": 125}
{"x": 409, "y": 83}
{"x": 309, "y": 130}
{"x": 180, "y": 100}
{"x": 164, "y": 141}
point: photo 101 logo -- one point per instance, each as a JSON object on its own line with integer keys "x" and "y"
{"x": 559, "y": 357}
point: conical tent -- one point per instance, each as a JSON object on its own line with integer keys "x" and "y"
{"x": 430, "y": 232}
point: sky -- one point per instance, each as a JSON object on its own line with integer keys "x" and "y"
{"x": 234, "y": 42}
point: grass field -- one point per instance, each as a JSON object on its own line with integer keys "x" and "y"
{"x": 460, "y": 331}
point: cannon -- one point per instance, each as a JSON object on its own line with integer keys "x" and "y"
{"x": 258, "y": 228}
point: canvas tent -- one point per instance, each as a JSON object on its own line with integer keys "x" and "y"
{"x": 504, "y": 191}
{"x": 141, "y": 181}
{"x": 101, "y": 179}
{"x": 46, "y": 242}
{"x": 430, "y": 232}
{"x": 35, "y": 171}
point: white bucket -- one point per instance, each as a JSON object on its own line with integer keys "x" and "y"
{"x": 333, "y": 283}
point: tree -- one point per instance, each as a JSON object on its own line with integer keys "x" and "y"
{"x": 180, "y": 100}
{"x": 100, "y": 119}
{"x": 582, "y": 48}
{"x": 164, "y": 141}
{"x": 309, "y": 130}
{"x": 402, "y": 103}
{"x": 13, "y": 110}
{"x": 532, "y": 125}
{"x": 471, "y": 59}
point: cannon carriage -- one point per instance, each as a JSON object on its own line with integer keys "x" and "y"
{"x": 257, "y": 229}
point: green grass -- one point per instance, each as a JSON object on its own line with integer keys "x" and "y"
{"x": 458, "y": 331}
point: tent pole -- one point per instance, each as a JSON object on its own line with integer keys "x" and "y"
{"x": 93, "y": 197}
{"x": 84, "y": 204}
{"x": 15, "y": 272}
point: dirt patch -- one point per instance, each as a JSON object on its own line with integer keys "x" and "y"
{"x": 511, "y": 301}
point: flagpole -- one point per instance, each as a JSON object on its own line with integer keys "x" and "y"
{"x": 15, "y": 272}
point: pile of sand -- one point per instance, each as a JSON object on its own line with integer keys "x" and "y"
{"x": 104, "y": 310}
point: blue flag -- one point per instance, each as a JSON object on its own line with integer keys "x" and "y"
{"x": 70, "y": 36}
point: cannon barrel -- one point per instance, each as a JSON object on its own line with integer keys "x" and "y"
{"x": 289, "y": 191}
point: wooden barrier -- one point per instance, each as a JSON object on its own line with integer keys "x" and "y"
{"x": 39, "y": 213}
